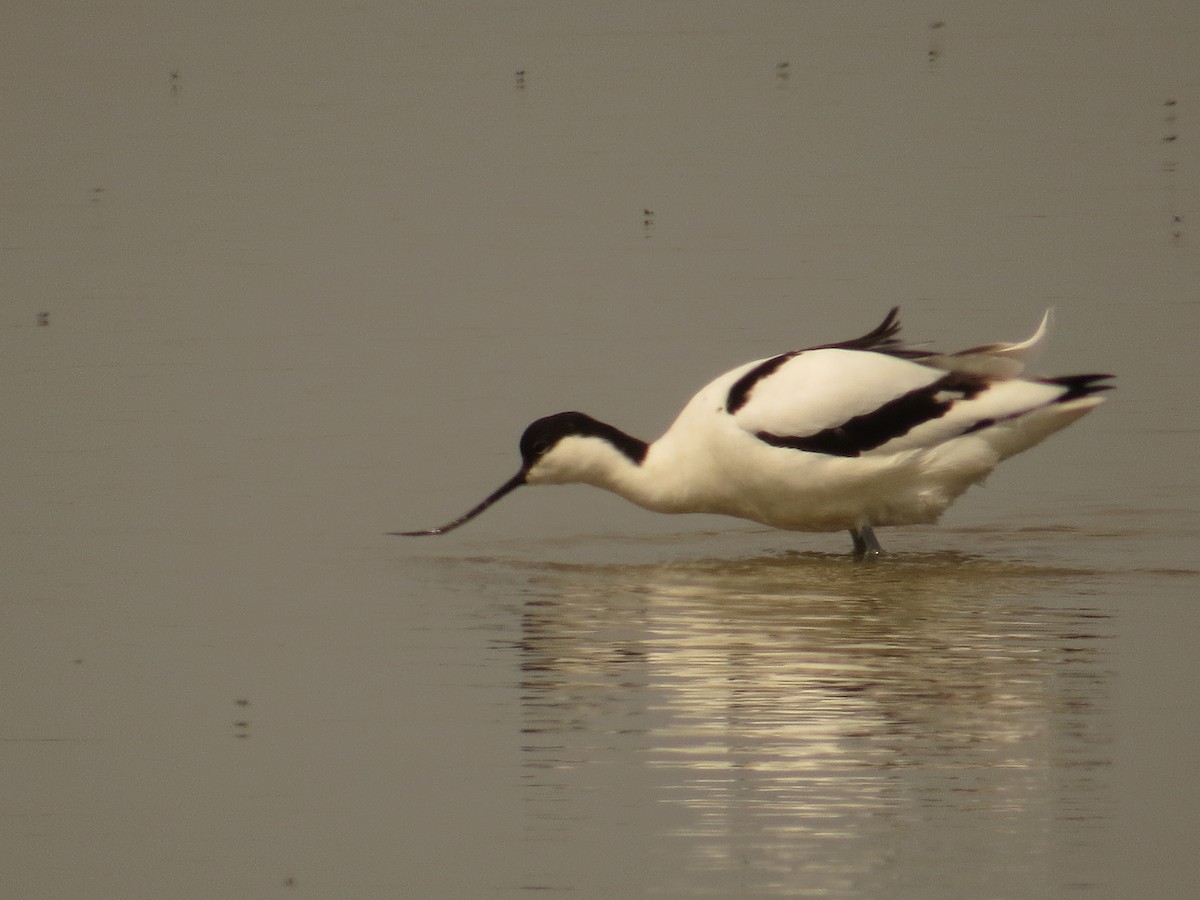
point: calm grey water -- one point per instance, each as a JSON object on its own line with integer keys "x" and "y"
{"x": 277, "y": 280}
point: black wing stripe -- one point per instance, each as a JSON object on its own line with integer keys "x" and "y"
{"x": 895, "y": 418}
{"x": 880, "y": 339}
{"x": 740, "y": 392}
{"x": 1079, "y": 385}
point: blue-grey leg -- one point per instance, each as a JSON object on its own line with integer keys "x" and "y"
{"x": 866, "y": 545}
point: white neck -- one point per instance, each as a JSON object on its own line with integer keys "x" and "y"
{"x": 658, "y": 483}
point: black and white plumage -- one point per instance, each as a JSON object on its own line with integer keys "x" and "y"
{"x": 848, "y": 435}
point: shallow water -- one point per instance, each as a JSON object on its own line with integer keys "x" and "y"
{"x": 805, "y": 724}
{"x": 276, "y": 283}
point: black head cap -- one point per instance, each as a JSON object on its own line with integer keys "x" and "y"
{"x": 540, "y": 437}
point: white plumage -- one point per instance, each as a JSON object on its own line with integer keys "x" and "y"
{"x": 849, "y": 435}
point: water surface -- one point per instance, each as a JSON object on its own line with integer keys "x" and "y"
{"x": 279, "y": 281}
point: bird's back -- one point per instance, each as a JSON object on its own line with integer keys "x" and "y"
{"x": 837, "y": 437}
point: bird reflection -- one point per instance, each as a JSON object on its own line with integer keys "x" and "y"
{"x": 780, "y": 703}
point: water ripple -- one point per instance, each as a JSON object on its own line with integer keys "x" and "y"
{"x": 801, "y": 714}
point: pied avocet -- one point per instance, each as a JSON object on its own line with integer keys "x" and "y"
{"x": 848, "y": 435}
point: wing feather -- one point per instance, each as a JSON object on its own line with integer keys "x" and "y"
{"x": 872, "y": 395}
{"x": 816, "y": 391}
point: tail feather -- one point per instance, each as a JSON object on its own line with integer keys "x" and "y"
{"x": 993, "y": 360}
{"x": 1080, "y": 385}
{"x": 882, "y": 338}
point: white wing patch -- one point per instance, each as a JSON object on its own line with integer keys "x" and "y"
{"x": 821, "y": 389}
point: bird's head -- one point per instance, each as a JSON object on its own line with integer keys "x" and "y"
{"x": 563, "y": 448}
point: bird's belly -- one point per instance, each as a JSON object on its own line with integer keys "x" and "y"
{"x": 800, "y": 491}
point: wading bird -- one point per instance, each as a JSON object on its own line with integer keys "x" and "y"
{"x": 849, "y": 435}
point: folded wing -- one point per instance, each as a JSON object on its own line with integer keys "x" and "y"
{"x": 842, "y": 401}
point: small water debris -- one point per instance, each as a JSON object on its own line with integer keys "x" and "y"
{"x": 43, "y": 319}
{"x": 174, "y": 82}
{"x": 783, "y": 70}
{"x": 241, "y": 726}
{"x": 934, "y": 53}
{"x": 1170, "y": 165}
{"x": 519, "y": 77}
{"x": 1170, "y": 119}
{"x": 647, "y": 221}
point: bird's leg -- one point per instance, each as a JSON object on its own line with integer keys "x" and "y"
{"x": 866, "y": 545}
